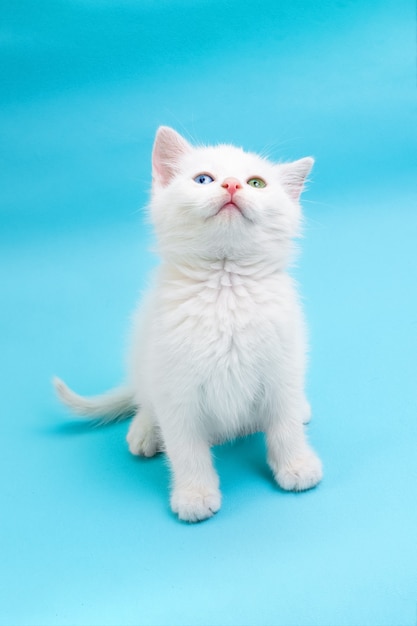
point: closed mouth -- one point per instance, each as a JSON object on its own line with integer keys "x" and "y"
{"x": 229, "y": 206}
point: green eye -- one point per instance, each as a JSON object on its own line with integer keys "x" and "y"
{"x": 258, "y": 183}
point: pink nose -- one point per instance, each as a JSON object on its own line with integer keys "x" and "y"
{"x": 231, "y": 184}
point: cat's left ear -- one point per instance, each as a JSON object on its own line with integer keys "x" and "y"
{"x": 168, "y": 149}
{"x": 294, "y": 175}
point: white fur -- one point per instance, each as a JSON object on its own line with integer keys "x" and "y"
{"x": 219, "y": 344}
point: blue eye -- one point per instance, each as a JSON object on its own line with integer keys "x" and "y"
{"x": 203, "y": 179}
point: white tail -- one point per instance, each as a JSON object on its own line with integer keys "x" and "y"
{"x": 116, "y": 404}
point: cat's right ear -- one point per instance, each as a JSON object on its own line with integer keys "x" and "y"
{"x": 168, "y": 149}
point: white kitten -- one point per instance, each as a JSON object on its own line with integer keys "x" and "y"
{"x": 219, "y": 344}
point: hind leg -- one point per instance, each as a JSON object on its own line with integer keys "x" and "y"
{"x": 144, "y": 436}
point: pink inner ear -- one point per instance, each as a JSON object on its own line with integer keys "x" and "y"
{"x": 294, "y": 175}
{"x": 169, "y": 148}
{"x": 294, "y": 189}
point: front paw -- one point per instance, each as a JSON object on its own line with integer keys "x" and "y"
{"x": 300, "y": 473}
{"x": 195, "y": 504}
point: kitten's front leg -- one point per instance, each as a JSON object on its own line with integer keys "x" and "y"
{"x": 295, "y": 465}
{"x": 306, "y": 411}
{"x": 195, "y": 495}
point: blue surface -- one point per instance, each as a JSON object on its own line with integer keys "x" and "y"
{"x": 87, "y": 537}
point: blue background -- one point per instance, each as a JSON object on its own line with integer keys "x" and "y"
{"x": 87, "y": 537}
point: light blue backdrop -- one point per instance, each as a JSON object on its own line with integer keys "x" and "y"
{"x": 87, "y": 537}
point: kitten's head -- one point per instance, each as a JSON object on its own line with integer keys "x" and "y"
{"x": 211, "y": 203}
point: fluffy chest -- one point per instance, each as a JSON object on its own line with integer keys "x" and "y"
{"x": 227, "y": 321}
{"x": 220, "y": 338}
